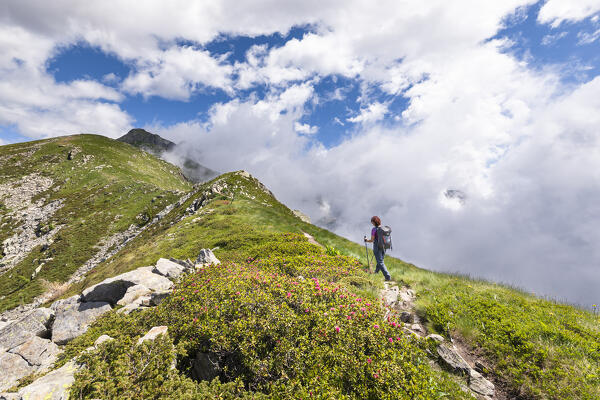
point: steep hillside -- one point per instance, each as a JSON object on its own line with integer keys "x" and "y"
{"x": 65, "y": 201}
{"x": 292, "y": 312}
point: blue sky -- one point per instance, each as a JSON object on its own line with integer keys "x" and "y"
{"x": 346, "y": 112}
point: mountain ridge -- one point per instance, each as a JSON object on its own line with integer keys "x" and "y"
{"x": 300, "y": 339}
{"x": 170, "y": 152}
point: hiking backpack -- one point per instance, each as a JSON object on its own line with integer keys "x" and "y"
{"x": 384, "y": 237}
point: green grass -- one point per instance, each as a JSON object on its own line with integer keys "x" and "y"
{"x": 540, "y": 349}
{"x": 116, "y": 187}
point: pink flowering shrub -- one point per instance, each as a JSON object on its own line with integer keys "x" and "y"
{"x": 290, "y": 337}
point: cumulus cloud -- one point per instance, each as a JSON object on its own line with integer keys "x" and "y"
{"x": 177, "y": 73}
{"x": 554, "y": 12}
{"x": 520, "y": 147}
{"x": 372, "y": 113}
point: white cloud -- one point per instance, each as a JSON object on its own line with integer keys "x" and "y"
{"x": 588, "y": 38}
{"x": 305, "y": 129}
{"x": 520, "y": 146}
{"x": 372, "y": 113}
{"x": 548, "y": 40}
{"x": 177, "y": 73}
{"x": 554, "y": 12}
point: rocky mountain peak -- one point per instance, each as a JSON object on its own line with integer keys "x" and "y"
{"x": 150, "y": 142}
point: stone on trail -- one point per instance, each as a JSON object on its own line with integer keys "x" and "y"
{"x": 436, "y": 337}
{"x": 73, "y": 320}
{"x": 168, "y": 268}
{"x": 113, "y": 289}
{"x": 479, "y": 384}
{"x": 153, "y": 334}
{"x": 406, "y": 317}
{"x": 13, "y": 368}
{"x": 206, "y": 256}
{"x": 53, "y": 386}
{"x": 390, "y": 296}
{"x": 452, "y": 359}
{"x": 39, "y": 353}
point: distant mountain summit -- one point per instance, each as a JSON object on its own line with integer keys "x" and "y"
{"x": 150, "y": 142}
{"x": 169, "y": 151}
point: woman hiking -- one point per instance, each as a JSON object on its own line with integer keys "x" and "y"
{"x": 378, "y": 252}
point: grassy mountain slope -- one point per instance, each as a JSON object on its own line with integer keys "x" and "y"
{"x": 537, "y": 348}
{"x": 276, "y": 335}
{"x": 103, "y": 187}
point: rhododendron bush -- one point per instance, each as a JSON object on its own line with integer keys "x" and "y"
{"x": 284, "y": 324}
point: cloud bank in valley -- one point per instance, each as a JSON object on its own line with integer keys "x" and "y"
{"x": 517, "y": 139}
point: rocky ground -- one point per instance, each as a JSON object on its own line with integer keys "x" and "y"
{"x": 30, "y": 345}
{"x": 450, "y": 357}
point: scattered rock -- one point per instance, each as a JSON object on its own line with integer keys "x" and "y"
{"x": 390, "y": 296}
{"x": 205, "y": 367}
{"x": 417, "y": 328}
{"x": 168, "y": 268}
{"x": 157, "y": 297}
{"x": 206, "y": 256}
{"x": 39, "y": 353}
{"x": 36, "y": 323}
{"x": 73, "y": 320}
{"x": 479, "y": 384}
{"x": 153, "y": 334}
{"x": 53, "y": 386}
{"x": 102, "y": 339}
{"x": 13, "y": 368}
{"x": 133, "y": 293}
{"x": 406, "y": 317}
{"x": 303, "y": 217}
{"x": 452, "y": 359}
{"x": 113, "y": 289}
{"x": 436, "y": 337}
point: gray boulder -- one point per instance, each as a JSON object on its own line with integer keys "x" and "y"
{"x": 73, "y": 320}
{"x": 13, "y": 368}
{"x": 407, "y": 317}
{"x": 36, "y": 323}
{"x": 168, "y": 268}
{"x": 70, "y": 300}
{"x": 479, "y": 384}
{"x": 39, "y": 353}
{"x": 452, "y": 359}
{"x": 113, "y": 289}
{"x": 206, "y": 256}
{"x": 436, "y": 337}
{"x": 132, "y": 294}
{"x": 53, "y": 386}
{"x": 153, "y": 334}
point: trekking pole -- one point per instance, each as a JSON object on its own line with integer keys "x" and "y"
{"x": 367, "y": 253}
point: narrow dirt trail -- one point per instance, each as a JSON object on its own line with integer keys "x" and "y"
{"x": 454, "y": 355}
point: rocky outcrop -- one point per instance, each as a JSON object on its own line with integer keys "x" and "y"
{"x": 36, "y": 323}
{"x": 73, "y": 320}
{"x": 153, "y": 334}
{"x": 53, "y": 386}
{"x": 34, "y": 228}
{"x": 207, "y": 257}
{"x": 454, "y": 361}
{"x": 479, "y": 384}
{"x": 168, "y": 268}
{"x": 39, "y": 353}
{"x": 111, "y": 290}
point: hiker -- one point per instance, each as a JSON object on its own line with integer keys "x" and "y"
{"x": 378, "y": 251}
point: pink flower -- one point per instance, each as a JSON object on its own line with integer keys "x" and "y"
{"x": 369, "y": 360}
{"x": 375, "y": 326}
{"x": 349, "y": 317}
{"x": 375, "y": 376}
{"x": 337, "y": 329}
{"x": 289, "y": 294}
{"x": 391, "y": 340}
